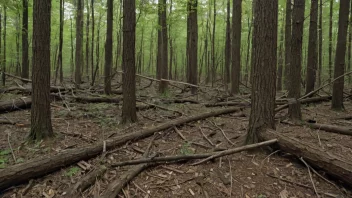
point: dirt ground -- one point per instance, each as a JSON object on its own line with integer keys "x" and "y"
{"x": 250, "y": 174}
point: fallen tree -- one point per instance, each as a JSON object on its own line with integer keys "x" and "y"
{"x": 41, "y": 166}
{"x": 96, "y": 99}
{"x": 306, "y": 101}
{"x": 15, "y": 104}
{"x": 330, "y": 128}
{"x": 220, "y": 104}
{"x": 317, "y": 157}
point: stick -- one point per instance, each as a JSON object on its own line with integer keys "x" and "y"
{"x": 194, "y": 156}
{"x": 223, "y": 132}
{"x": 205, "y": 137}
{"x": 13, "y": 154}
{"x": 236, "y": 150}
{"x": 310, "y": 175}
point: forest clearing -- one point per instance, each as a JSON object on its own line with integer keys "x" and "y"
{"x": 266, "y": 113}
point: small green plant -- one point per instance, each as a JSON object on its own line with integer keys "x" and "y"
{"x": 262, "y": 196}
{"x": 72, "y": 171}
{"x": 4, "y": 158}
{"x": 166, "y": 94}
{"x": 186, "y": 149}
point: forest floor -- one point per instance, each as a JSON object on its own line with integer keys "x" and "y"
{"x": 257, "y": 173}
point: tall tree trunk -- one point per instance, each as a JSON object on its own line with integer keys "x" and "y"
{"x": 162, "y": 60}
{"x": 40, "y": 112}
{"x": 193, "y": 44}
{"x": 246, "y": 72}
{"x": 280, "y": 59}
{"x": 236, "y": 46}
{"x": 25, "y": 61}
{"x": 337, "y": 91}
{"x": 330, "y": 39}
{"x": 79, "y": 42}
{"x": 170, "y": 41}
{"x": 97, "y": 53}
{"x": 263, "y": 68}
{"x": 294, "y": 89}
{"x": 288, "y": 28}
{"x": 72, "y": 49}
{"x": 18, "y": 69}
{"x": 61, "y": 40}
{"x": 349, "y": 63}
{"x": 312, "y": 47}
{"x": 320, "y": 46}
{"x": 207, "y": 54}
{"x": 108, "y": 48}
{"x": 151, "y": 49}
{"x": 228, "y": 46}
{"x": 213, "y": 67}
{"x": 86, "y": 71}
{"x": 4, "y": 37}
{"x": 128, "y": 62}
{"x": 92, "y": 43}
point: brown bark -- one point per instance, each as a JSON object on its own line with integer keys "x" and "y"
{"x": 61, "y": 40}
{"x": 263, "y": 73}
{"x": 349, "y": 61}
{"x": 92, "y": 41}
{"x": 193, "y": 45}
{"x": 330, "y": 38}
{"x": 334, "y": 165}
{"x": 337, "y": 91}
{"x": 86, "y": 68}
{"x": 312, "y": 47}
{"x": 25, "y": 61}
{"x": 40, "y": 112}
{"x": 294, "y": 89}
{"x": 108, "y": 48}
{"x": 236, "y": 46}
{"x": 331, "y": 128}
{"x": 320, "y": 45}
{"x": 280, "y": 63}
{"x": 288, "y": 35}
{"x": 213, "y": 67}
{"x": 128, "y": 62}
{"x": 79, "y": 42}
{"x": 4, "y": 63}
{"x": 246, "y": 71}
{"x": 16, "y": 104}
{"x": 228, "y": 45}
{"x": 41, "y": 166}
{"x": 162, "y": 59}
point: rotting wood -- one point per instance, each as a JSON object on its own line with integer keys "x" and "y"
{"x": 15, "y": 104}
{"x": 220, "y": 104}
{"x": 3, "y": 121}
{"x": 97, "y": 99}
{"x": 195, "y": 156}
{"x": 41, "y": 166}
{"x": 306, "y": 101}
{"x": 87, "y": 181}
{"x": 331, "y": 128}
{"x": 335, "y": 166}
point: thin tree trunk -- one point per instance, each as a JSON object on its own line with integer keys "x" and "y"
{"x": 294, "y": 90}
{"x": 312, "y": 47}
{"x": 87, "y": 42}
{"x": 280, "y": 59}
{"x": 79, "y": 42}
{"x": 193, "y": 45}
{"x": 92, "y": 42}
{"x": 72, "y": 50}
{"x": 108, "y": 48}
{"x": 349, "y": 63}
{"x": 25, "y": 61}
{"x": 97, "y": 52}
{"x": 228, "y": 46}
{"x": 61, "y": 40}
{"x": 213, "y": 70}
{"x": 162, "y": 60}
{"x": 246, "y": 73}
{"x": 170, "y": 41}
{"x": 288, "y": 28}
{"x": 4, "y": 37}
{"x": 330, "y": 39}
{"x": 320, "y": 46}
{"x": 337, "y": 91}
{"x": 236, "y": 45}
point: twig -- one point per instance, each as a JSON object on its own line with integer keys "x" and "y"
{"x": 205, "y": 137}
{"x": 310, "y": 175}
{"x": 179, "y": 133}
{"x": 222, "y": 131}
{"x": 230, "y": 177}
{"x": 8, "y": 140}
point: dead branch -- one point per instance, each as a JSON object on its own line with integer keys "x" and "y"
{"x": 306, "y": 101}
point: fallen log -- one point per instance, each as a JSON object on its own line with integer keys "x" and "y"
{"x": 331, "y": 128}
{"x": 96, "y": 99}
{"x": 3, "y": 121}
{"x": 220, "y": 104}
{"x": 86, "y": 182}
{"x": 317, "y": 157}
{"x": 208, "y": 156}
{"x": 180, "y": 101}
{"x": 306, "y": 101}
{"x": 16, "y": 104}
{"x": 349, "y": 117}
{"x": 41, "y": 166}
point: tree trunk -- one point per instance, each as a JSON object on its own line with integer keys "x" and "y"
{"x": 246, "y": 72}
{"x": 312, "y": 47}
{"x": 294, "y": 90}
{"x": 280, "y": 60}
{"x": 263, "y": 68}
{"x": 337, "y": 91}
{"x": 40, "y": 112}
{"x": 4, "y": 37}
{"x": 330, "y": 38}
{"x": 92, "y": 44}
{"x": 59, "y": 58}
{"x": 170, "y": 41}
{"x": 25, "y": 61}
{"x": 320, "y": 45}
{"x": 79, "y": 42}
{"x": 228, "y": 46}
{"x": 288, "y": 34}
{"x": 162, "y": 59}
{"x": 128, "y": 62}
{"x": 97, "y": 53}
{"x": 72, "y": 49}
{"x": 87, "y": 42}
{"x": 108, "y": 48}
{"x": 236, "y": 47}
{"x": 349, "y": 63}
{"x": 213, "y": 67}
{"x": 193, "y": 45}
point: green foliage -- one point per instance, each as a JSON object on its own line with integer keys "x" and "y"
{"x": 4, "y": 158}
{"x": 72, "y": 171}
{"x": 262, "y": 196}
{"x": 186, "y": 149}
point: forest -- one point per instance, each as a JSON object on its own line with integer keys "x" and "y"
{"x": 176, "y": 98}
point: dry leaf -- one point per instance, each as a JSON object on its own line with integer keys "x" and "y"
{"x": 284, "y": 194}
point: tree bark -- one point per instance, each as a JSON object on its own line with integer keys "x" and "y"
{"x": 87, "y": 41}
{"x": 312, "y": 47}
{"x": 349, "y": 51}
{"x": 263, "y": 73}
{"x": 61, "y": 40}
{"x": 236, "y": 46}
{"x": 41, "y": 166}
{"x": 108, "y": 48}
{"x": 128, "y": 62}
{"x": 294, "y": 90}
{"x": 16, "y": 104}
{"x": 288, "y": 35}
{"x": 330, "y": 38}
{"x": 228, "y": 46}
{"x": 25, "y": 61}
{"x": 79, "y": 42}
{"x": 193, "y": 45}
{"x": 320, "y": 45}
{"x": 280, "y": 60}
{"x": 162, "y": 59}
{"x": 40, "y": 112}
{"x": 337, "y": 91}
